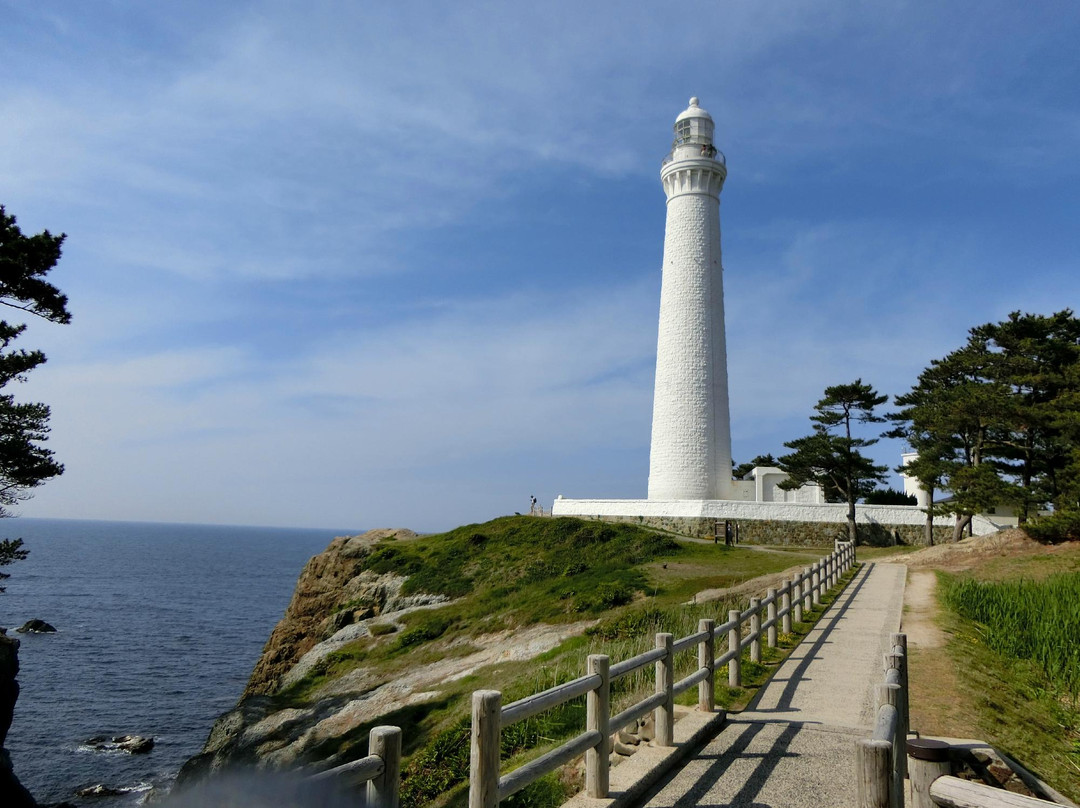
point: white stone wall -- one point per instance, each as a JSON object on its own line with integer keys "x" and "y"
{"x": 690, "y": 456}
{"x": 782, "y": 511}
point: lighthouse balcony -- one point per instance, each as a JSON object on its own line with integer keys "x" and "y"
{"x": 697, "y": 149}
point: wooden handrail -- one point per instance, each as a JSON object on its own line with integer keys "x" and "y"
{"x": 881, "y": 760}
{"x": 487, "y": 787}
{"x": 546, "y": 699}
{"x": 380, "y": 769}
{"x": 952, "y": 792}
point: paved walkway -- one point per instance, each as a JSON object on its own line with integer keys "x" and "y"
{"x": 794, "y": 746}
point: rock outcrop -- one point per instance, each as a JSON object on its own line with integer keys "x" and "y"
{"x": 36, "y": 626}
{"x": 12, "y": 792}
{"x": 132, "y": 744}
{"x": 325, "y": 585}
{"x": 337, "y": 601}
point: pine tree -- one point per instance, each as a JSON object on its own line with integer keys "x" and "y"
{"x": 830, "y": 456}
{"x": 24, "y": 462}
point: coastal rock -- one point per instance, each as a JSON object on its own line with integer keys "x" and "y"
{"x": 320, "y": 593}
{"x": 337, "y": 602}
{"x": 12, "y": 793}
{"x": 356, "y": 631}
{"x": 360, "y": 546}
{"x": 132, "y": 744}
{"x": 262, "y": 734}
{"x": 9, "y": 687}
{"x": 36, "y": 626}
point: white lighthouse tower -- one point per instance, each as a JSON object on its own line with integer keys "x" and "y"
{"x": 690, "y": 457}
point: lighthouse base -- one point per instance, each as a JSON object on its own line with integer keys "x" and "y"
{"x": 785, "y": 523}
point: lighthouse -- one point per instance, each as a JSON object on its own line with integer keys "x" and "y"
{"x": 690, "y": 456}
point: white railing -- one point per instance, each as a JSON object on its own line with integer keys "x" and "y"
{"x": 381, "y": 769}
{"x": 489, "y": 717}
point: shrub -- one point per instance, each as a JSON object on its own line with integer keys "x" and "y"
{"x": 430, "y": 628}
{"x": 889, "y": 496}
{"x": 1055, "y": 528}
{"x": 605, "y": 596}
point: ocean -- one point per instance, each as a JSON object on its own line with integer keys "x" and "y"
{"x": 159, "y": 626}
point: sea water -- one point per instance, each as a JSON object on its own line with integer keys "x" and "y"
{"x": 158, "y": 628}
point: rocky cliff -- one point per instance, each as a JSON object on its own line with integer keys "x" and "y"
{"x": 335, "y": 602}
{"x": 12, "y": 792}
{"x": 332, "y": 592}
{"x": 388, "y": 627}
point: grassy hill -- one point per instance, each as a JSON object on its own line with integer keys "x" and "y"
{"x": 595, "y": 587}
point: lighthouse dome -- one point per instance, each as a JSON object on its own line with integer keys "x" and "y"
{"x": 693, "y": 111}
{"x": 693, "y": 135}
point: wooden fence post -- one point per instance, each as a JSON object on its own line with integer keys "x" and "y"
{"x": 785, "y": 607}
{"x": 597, "y": 719}
{"x": 796, "y": 597}
{"x": 755, "y": 630}
{"x": 815, "y": 582}
{"x": 771, "y": 616}
{"x": 806, "y": 586}
{"x": 664, "y": 715}
{"x": 706, "y": 658}
{"x": 928, "y": 760}
{"x": 484, "y": 749}
{"x": 874, "y": 759}
{"x": 734, "y": 642}
{"x": 899, "y": 660}
{"x": 890, "y": 694}
{"x": 382, "y": 791}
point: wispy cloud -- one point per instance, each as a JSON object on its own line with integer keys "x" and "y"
{"x": 392, "y": 261}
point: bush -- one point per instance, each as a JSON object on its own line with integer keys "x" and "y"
{"x": 889, "y": 496}
{"x": 605, "y": 596}
{"x": 1055, "y": 528}
{"x": 429, "y": 629}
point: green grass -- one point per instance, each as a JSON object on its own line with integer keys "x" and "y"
{"x": 523, "y": 569}
{"x": 1028, "y": 620}
{"x": 517, "y": 571}
{"x": 1016, "y": 645}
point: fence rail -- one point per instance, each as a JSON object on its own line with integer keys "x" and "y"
{"x": 381, "y": 769}
{"x": 780, "y": 606}
{"x": 883, "y": 760}
{"x": 952, "y": 792}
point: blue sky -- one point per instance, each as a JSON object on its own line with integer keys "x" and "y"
{"x": 367, "y": 264}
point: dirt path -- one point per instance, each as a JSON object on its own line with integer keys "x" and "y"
{"x": 920, "y": 608}
{"x": 940, "y": 705}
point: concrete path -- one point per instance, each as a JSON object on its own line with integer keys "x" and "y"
{"x": 794, "y": 746}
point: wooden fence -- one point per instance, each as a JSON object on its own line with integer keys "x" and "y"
{"x": 487, "y": 787}
{"x": 882, "y": 761}
{"x": 381, "y": 769}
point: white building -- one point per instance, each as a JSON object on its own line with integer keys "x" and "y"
{"x": 690, "y": 456}
{"x": 691, "y": 488}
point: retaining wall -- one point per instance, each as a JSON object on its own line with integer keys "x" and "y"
{"x": 771, "y": 522}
